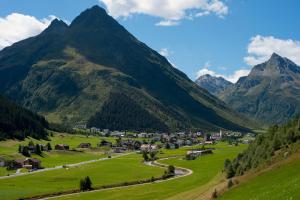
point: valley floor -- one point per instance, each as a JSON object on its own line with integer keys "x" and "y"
{"x": 206, "y": 171}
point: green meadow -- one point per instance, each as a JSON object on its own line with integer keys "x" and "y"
{"x": 9, "y": 149}
{"x": 115, "y": 170}
{"x": 282, "y": 182}
{"x": 205, "y": 169}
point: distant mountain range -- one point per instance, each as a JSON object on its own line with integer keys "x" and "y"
{"x": 269, "y": 94}
{"x": 215, "y": 85}
{"x": 94, "y": 71}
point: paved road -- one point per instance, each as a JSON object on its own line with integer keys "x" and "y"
{"x": 60, "y": 167}
{"x": 179, "y": 173}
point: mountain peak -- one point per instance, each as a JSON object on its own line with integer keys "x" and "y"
{"x": 213, "y": 84}
{"x": 57, "y": 26}
{"x": 91, "y": 16}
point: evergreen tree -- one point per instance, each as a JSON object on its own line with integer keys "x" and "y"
{"x": 49, "y": 146}
{"x": 25, "y": 151}
{"x": 38, "y": 149}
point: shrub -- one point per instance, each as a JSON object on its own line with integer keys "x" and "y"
{"x": 85, "y": 184}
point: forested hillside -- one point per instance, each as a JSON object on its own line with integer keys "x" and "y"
{"x": 278, "y": 142}
{"x": 17, "y": 122}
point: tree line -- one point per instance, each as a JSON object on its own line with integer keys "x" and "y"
{"x": 17, "y": 122}
{"x": 263, "y": 149}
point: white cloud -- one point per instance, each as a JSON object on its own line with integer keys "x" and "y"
{"x": 231, "y": 77}
{"x": 261, "y": 48}
{"x": 165, "y": 52}
{"x": 16, "y": 27}
{"x": 171, "y": 11}
{"x": 167, "y": 23}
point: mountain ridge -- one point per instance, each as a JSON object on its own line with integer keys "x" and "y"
{"x": 269, "y": 93}
{"x": 68, "y": 73}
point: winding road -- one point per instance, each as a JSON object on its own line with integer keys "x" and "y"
{"x": 179, "y": 173}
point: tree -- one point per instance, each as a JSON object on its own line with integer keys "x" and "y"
{"x": 20, "y": 149}
{"x": 145, "y": 156}
{"x": 85, "y": 184}
{"x": 171, "y": 170}
{"x": 25, "y": 151}
{"x": 214, "y": 194}
{"x": 38, "y": 149}
{"x": 168, "y": 146}
{"x": 153, "y": 155}
{"x": 30, "y": 144}
{"x": 230, "y": 183}
{"x": 49, "y": 146}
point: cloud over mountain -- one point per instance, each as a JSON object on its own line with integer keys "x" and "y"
{"x": 16, "y": 27}
{"x": 171, "y": 11}
{"x": 261, "y": 48}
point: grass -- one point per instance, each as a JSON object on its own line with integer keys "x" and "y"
{"x": 9, "y": 149}
{"x": 205, "y": 168}
{"x": 281, "y": 182}
{"x": 116, "y": 170}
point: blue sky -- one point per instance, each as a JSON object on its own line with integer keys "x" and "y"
{"x": 229, "y": 37}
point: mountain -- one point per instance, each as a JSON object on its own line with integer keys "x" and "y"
{"x": 270, "y": 93}
{"x": 94, "y": 71}
{"x": 215, "y": 85}
{"x": 18, "y": 123}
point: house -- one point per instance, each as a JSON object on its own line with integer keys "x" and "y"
{"x": 149, "y": 147}
{"x": 85, "y": 145}
{"x": 62, "y": 147}
{"x": 119, "y": 149}
{"x": 95, "y": 130}
{"x": 117, "y": 134}
{"x": 193, "y": 154}
{"x": 142, "y": 135}
{"x": 32, "y": 163}
{"x": 2, "y": 162}
{"x": 209, "y": 142}
{"x": 29, "y": 163}
{"x": 105, "y": 143}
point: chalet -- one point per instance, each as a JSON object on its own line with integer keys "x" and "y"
{"x": 193, "y": 154}
{"x": 95, "y": 130}
{"x": 117, "y": 134}
{"x": 62, "y": 147}
{"x": 148, "y": 147}
{"x": 142, "y": 135}
{"x": 209, "y": 142}
{"x": 105, "y": 143}
{"x": 2, "y": 162}
{"x": 119, "y": 149}
{"x": 29, "y": 163}
{"x": 85, "y": 145}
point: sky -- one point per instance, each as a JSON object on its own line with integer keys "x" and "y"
{"x": 219, "y": 37}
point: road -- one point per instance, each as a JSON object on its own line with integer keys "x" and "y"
{"x": 179, "y": 173}
{"x": 62, "y": 166}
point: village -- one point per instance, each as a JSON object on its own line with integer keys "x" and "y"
{"x": 116, "y": 142}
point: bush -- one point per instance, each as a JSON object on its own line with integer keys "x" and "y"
{"x": 85, "y": 184}
{"x": 214, "y": 194}
{"x": 230, "y": 183}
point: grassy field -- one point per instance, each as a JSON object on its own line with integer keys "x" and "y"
{"x": 282, "y": 182}
{"x": 9, "y": 149}
{"x": 116, "y": 170}
{"x": 206, "y": 169}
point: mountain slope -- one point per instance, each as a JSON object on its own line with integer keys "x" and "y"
{"x": 270, "y": 93}
{"x": 17, "y": 122}
{"x": 72, "y": 74}
{"x": 215, "y": 85}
